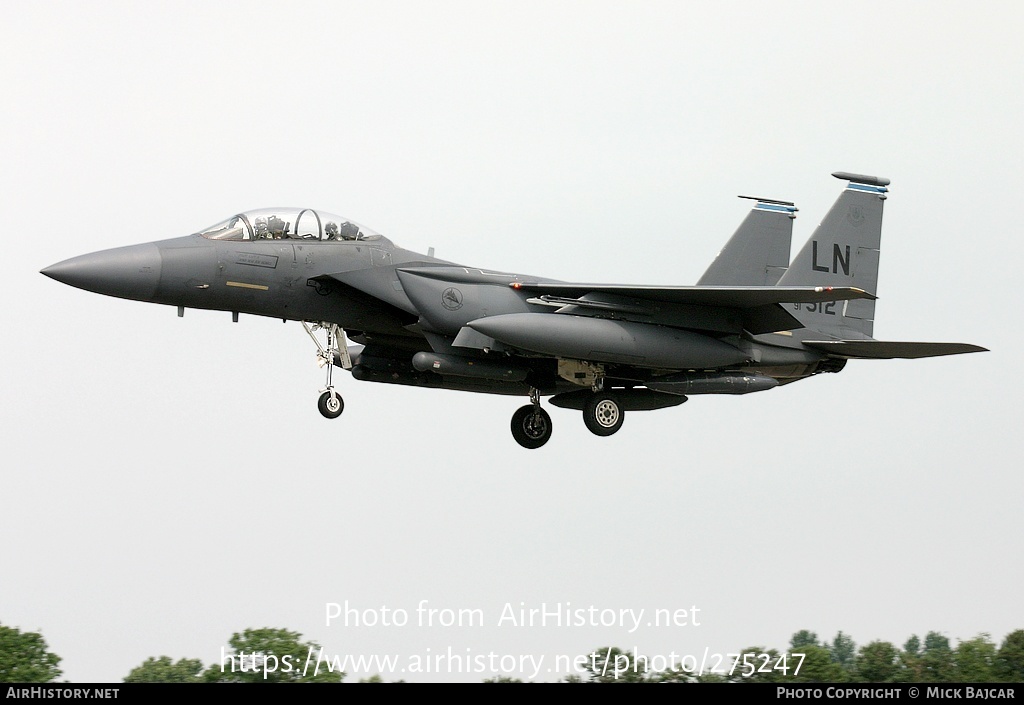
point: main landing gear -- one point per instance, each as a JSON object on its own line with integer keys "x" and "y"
{"x": 330, "y": 403}
{"x": 602, "y": 411}
{"x": 603, "y": 414}
{"x": 531, "y": 425}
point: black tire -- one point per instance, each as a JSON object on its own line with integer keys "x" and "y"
{"x": 603, "y": 414}
{"x": 331, "y": 405}
{"x": 531, "y": 426}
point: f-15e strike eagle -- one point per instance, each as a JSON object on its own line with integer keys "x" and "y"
{"x": 752, "y": 322}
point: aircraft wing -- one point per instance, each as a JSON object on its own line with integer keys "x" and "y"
{"x": 759, "y": 307}
{"x": 887, "y": 349}
{"x": 730, "y": 297}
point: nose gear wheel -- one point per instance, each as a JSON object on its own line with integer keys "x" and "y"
{"x": 330, "y": 403}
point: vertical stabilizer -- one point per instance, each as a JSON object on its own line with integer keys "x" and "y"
{"x": 758, "y": 252}
{"x": 843, "y": 251}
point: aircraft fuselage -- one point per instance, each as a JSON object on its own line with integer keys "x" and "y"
{"x": 602, "y": 348}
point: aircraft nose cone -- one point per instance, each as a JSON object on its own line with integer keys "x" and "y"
{"x": 127, "y": 272}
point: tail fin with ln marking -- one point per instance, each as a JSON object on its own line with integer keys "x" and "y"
{"x": 843, "y": 251}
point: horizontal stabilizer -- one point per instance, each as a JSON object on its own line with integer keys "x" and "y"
{"x": 887, "y": 349}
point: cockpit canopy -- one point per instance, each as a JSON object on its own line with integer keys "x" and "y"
{"x": 288, "y": 224}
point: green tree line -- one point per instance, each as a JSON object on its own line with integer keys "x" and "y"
{"x": 840, "y": 660}
{"x": 276, "y": 655}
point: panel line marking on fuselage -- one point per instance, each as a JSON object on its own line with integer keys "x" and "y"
{"x": 243, "y": 285}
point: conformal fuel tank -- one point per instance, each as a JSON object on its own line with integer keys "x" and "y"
{"x": 604, "y": 340}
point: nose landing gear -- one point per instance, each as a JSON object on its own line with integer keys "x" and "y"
{"x": 330, "y": 403}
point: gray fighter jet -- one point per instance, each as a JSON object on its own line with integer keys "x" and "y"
{"x": 751, "y": 323}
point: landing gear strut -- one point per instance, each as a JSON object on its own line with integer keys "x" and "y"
{"x": 330, "y": 403}
{"x": 531, "y": 424}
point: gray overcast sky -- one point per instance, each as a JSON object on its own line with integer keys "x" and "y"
{"x": 167, "y": 482}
